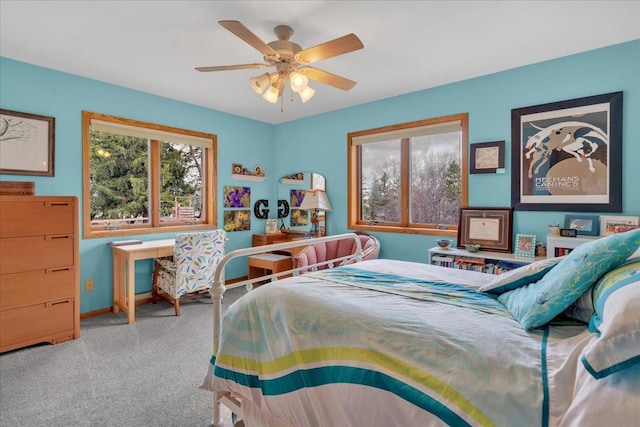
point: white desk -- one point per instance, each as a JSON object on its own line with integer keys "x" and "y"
{"x": 124, "y": 268}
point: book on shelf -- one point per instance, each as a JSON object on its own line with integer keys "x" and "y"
{"x": 469, "y": 260}
{"x": 563, "y": 251}
{"x": 442, "y": 260}
{"x": 468, "y": 263}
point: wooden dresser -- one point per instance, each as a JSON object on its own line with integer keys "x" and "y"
{"x": 39, "y": 270}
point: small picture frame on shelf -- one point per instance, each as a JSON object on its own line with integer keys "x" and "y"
{"x": 271, "y": 226}
{"x": 236, "y": 169}
{"x": 585, "y": 225}
{"x": 617, "y": 224}
{"x": 525, "y": 245}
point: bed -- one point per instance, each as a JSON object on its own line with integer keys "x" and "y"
{"x": 392, "y": 343}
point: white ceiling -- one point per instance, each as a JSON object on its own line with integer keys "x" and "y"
{"x": 153, "y": 46}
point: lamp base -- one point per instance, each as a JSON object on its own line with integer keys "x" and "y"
{"x": 314, "y": 221}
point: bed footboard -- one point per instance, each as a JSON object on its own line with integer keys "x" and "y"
{"x": 217, "y": 291}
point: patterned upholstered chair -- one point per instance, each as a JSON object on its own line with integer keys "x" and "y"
{"x": 190, "y": 270}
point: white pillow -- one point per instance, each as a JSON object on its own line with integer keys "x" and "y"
{"x": 583, "y": 308}
{"x": 616, "y": 320}
{"x": 520, "y": 276}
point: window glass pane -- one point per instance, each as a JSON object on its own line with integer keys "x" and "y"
{"x": 436, "y": 179}
{"x": 119, "y": 180}
{"x": 380, "y": 182}
{"x": 181, "y": 183}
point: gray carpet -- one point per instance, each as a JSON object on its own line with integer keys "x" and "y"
{"x": 115, "y": 374}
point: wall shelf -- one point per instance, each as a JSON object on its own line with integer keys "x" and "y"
{"x": 252, "y": 178}
{"x": 292, "y": 181}
{"x": 482, "y": 261}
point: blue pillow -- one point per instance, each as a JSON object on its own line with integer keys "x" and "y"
{"x": 520, "y": 276}
{"x": 616, "y": 321}
{"x": 535, "y": 304}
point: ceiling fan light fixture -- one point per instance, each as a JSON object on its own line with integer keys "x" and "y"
{"x": 306, "y": 94}
{"x": 272, "y": 94}
{"x": 260, "y": 83}
{"x": 299, "y": 82}
{"x": 290, "y": 60}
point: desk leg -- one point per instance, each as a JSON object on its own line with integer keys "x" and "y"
{"x": 131, "y": 290}
{"x": 118, "y": 281}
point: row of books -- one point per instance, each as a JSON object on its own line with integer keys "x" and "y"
{"x": 474, "y": 264}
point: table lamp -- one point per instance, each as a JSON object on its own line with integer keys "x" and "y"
{"x": 314, "y": 201}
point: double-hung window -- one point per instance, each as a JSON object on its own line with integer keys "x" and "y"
{"x": 410, "y": 177}
{"x": 142, "y": 178}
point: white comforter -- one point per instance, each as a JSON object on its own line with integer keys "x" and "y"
{"x": 306, "y": 351}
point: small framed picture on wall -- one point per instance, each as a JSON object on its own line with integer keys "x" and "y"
{"x": 487, "y": 157}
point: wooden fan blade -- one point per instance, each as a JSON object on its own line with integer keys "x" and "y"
{"x": 339, "y": 46}
{"x": 231, "y": 67}
{"x": 327, "y": 78}
{"x": 248, "y": 37}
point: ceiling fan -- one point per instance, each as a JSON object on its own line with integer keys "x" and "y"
{"x": 291, "y": 62}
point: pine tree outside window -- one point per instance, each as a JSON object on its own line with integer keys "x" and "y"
{"x": 409, "y": 178}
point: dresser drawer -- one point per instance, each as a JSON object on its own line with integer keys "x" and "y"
{"x": 51, "y": 322}
{"x": 33, "y": 216}
{"x": 36, "y": 253}
{"x": 269, "y": 239}
{"x": 36, "y": 287}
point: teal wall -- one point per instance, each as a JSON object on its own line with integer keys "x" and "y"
{"x": 319, "y": 143}
{"x": 36, "y": 90}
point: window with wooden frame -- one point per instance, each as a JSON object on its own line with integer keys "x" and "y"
{"x": 143, "y": 178}
{"x": 410, "y": 177}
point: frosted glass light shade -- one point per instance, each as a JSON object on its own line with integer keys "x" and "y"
{"x": 306, "y": 94}
{"x": 299, "y": 82}
{"x": 271, "y": 95}
{"x": 260, "y": 83}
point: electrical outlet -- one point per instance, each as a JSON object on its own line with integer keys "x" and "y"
{"x": 88, "y": 285}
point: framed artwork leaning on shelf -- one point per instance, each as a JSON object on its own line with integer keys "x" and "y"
{"x": 491, "y": 228}
{"x": 616, "y": 224}
{"x": 585, "y": 225}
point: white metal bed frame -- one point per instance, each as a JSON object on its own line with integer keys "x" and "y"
{"x": 218, "y": 288}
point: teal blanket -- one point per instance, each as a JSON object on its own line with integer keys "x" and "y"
{"x": 446, "y": 293}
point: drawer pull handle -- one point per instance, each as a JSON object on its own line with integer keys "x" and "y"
{"x": 64, "y": 236}
{"x": 54, "y": 204}
{"x": 57, "y": 270}
{"x": 54, "y": 303}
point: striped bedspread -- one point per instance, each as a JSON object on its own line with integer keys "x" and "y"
{"x": 392, "y": 344}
